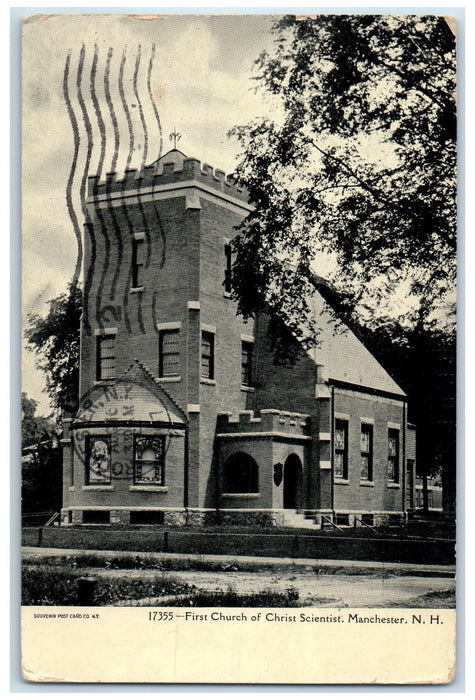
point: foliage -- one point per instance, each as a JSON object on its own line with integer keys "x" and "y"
{"x": 55, "y": 341}
{"x": 356, "y": 170}
{"x": 34, "y": 429}
{"x": 423, "y": 361}
{"x": 50, "y": 585}
{"x": 41, "y": 460}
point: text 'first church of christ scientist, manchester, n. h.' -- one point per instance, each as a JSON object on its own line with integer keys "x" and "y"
{"x": 185, "y": 417}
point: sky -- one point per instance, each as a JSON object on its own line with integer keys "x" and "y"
{"x": 200, "y": 82}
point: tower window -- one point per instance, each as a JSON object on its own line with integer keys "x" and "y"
{"x": 246, "y": 363}
{"x": 169, "y": 354}
{"x": 207, "y": 355}
{"x": 105, "y": 357}
{"x": 227, "y": 271}
{"x": 366, "y": 452}
{"x": 138, "y": 255}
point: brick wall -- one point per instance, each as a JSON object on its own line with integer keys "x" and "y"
{"x": 381, "y": 495}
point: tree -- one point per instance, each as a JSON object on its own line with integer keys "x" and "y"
{"x": 55, "y": 340}
{"x": 41, "y": 460}
{"x": 34, "y": 428}
{"x": 423, "y": 362}
{"x": 355, "y": 172}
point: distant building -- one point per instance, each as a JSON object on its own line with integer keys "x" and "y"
{"x": 185, "y": 417}
{"x": 434, "y": 494}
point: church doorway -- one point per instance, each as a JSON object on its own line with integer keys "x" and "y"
{"x": 293, "y": 483}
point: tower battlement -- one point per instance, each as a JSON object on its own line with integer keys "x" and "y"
{"x": 270, "y": 420}
{"x": 169, "y": 169}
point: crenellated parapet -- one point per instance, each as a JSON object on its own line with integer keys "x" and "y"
{"x": 181, "y": 170}
{"x": 268, "y": 421}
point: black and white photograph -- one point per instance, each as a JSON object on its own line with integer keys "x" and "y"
{"x": 239, "y": 260}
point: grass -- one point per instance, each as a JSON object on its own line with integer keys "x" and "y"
{"x": 125, "y": 561}
{"x": 51, "y": 585}
{"x": 231, "y": 599}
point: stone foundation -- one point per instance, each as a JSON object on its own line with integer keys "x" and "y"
{"x": 174, "y": 518}
{"x": 251, "y": 518}
{"x": 239, "y": 517}
{"x": 120, "y": 517}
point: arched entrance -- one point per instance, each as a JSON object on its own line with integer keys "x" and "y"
{"x": 293, "y": 483}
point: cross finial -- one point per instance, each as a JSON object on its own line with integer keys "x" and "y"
{"x": 175, "y": 136}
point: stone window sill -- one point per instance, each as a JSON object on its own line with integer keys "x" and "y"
{"x": 394, "y": 486}
{"x": 94, "y": 487}
{"x": 227, "y": 295}
{"x": 240, "y": 495}
{"x": 367, "y": 483}
{"x": 344, "y": 482}
{"x": 146, "y": 487}
{"x": 247, "y": 388}
{"x": 104, "y": 382}
{"x": 71, "y": 488}
{"x": 136, "y": 290}
{"x": 210, "y": 382}
{"x": 170, "y": 379}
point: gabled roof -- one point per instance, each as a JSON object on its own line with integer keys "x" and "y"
{"x": 343, "y": 355}
{"x": 136, "y": 396}
{"x": 175, "y": 156}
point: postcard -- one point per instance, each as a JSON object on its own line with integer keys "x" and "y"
{"x": 239, "y": 340}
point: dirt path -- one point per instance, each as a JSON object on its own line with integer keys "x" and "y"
{"x": 337, "y": 590}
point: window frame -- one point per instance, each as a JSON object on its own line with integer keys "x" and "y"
{"x": 162, "y": 355}
{"x": 89, "y": 439}
{"x": 160, "y": 461}
{"x": 138, "y": 267}
{"x": 228, "y": 268}
{"x": 367, "y": 428}
{"x": 100, "y": 338}
{"x": 246, "y": 369}
{"x": 396, "y": 456}
{"x": 210, "y": 335}
{"x": 236, "y": 489}
{"x": 345, "y": 423}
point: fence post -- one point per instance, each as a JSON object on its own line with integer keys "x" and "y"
{"x": 40, "y": 536}
{"x": 86, "y": 590}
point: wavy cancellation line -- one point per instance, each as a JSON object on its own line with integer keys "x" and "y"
{"x": 91, "y": 126}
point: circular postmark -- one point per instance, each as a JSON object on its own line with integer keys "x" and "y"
{"x": 121, "y": 428}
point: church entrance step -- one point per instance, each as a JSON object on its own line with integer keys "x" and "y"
{"x": 292, "y": 518}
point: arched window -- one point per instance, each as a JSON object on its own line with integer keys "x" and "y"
{"x": 240, "y": 474}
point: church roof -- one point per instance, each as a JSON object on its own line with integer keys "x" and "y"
{"x": 136, "y": 396}
{"x": 174, "y": 156}
{"x": 343, "y": 355}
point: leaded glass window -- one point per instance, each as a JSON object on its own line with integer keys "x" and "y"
{"x": 393, "y": 455}
{"x": 366, "y": 452}
{"x": 98, "y": 459}
{"x": 149, "y": 460}
{"x": 341, "y": 449}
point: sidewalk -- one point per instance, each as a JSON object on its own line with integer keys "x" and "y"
{"x": 322, "y": 565}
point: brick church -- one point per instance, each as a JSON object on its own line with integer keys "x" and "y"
{"x": 185, "y": 417}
